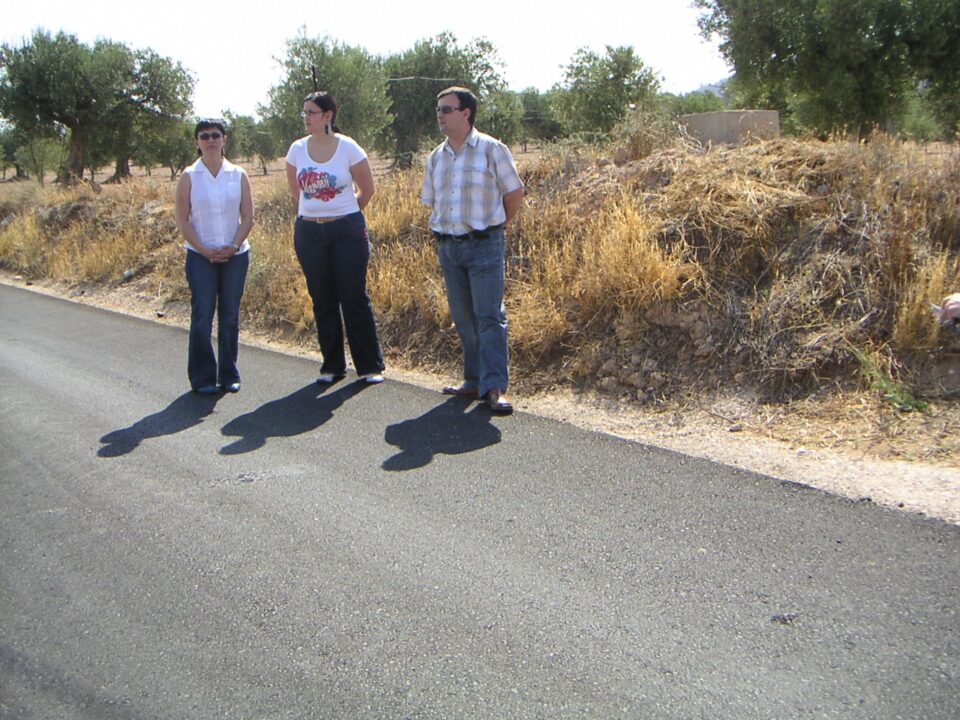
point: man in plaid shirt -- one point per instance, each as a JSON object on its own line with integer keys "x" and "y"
{"x": 472, "y": 184}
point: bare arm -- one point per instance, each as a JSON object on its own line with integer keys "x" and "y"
{"x": 292, "y": 183}
{"x": 512, "y": 202}
{"x": 182, "y": 214}
{"x": 363, "y": 179}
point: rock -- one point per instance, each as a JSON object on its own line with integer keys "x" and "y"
{"x": 620, "y": 157}
{"x": 637, "y": 379}
{"x": 704, "y": 349}
{"x": 608, "y": 368}
{"x": 658, "y": 380}
{"x": 609, "y": 384}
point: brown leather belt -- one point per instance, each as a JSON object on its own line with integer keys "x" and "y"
{"x": 321, "y": 219}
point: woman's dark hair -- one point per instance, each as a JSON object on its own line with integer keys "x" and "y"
{"x": 466, "y": 99}
{"x": 209, "y": 124}
{"x": 326, "y": 102}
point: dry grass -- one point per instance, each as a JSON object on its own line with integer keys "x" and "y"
{"x": 786, "y": 267}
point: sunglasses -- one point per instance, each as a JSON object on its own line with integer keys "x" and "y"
{"x": 210, "y": 136}
{"x": 447, "y": 109}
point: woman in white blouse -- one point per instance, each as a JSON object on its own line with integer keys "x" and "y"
{"x": 214, "y": 214}
{"x": 330, "y": 178}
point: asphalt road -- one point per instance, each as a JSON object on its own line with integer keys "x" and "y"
{"x": 387, "y": 552}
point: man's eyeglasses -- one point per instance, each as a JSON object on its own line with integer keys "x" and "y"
{"x": 311, "y": 113}
{"x": 447, "y": 109}
{"x": 210, "y": 136}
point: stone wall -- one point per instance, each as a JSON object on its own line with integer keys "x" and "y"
{"x": 732, "y": 127}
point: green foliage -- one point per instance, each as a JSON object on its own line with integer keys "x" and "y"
{"x": 839, "y": 66}
{"x": 598, "y": 90}
{"x": 695, "y": 102}
{"x": 501, "y": 116}
{"x": 170, "y": 145}
{"x": 106, "y": 96}
{"x": 353, "y": 76}
{"x": 920, "y": 121}
{"x": 40, "y": 156}
{"x": 264, "y": 145}
{"x": 417, "y": 75}
{"x": 891, "y": 391}
{"x": 932, "y": 38}
{"x": 539, "y": 118}
{"x": 10, "y": 140}
{"x": 241, "y": 129}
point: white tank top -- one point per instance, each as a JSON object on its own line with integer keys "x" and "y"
{"x": 215, "y": 204}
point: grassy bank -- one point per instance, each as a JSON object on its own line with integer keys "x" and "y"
{"x": 784, "y": 268}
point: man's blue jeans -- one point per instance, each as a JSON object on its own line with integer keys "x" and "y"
{"x": 214, "y": 288}
{"x": 334, "y": 258}
{"x": 473, "y": 272}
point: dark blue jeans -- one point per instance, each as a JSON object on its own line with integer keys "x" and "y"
{"x": 334, "y": 257}
{"x": 473, "y": 273}
{"x": 214, "y": 288}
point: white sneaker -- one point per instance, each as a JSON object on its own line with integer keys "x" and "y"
{"x": 372, "y": 378}
{"x": 327, "y": 378}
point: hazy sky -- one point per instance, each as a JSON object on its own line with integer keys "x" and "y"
{"x": 231, "y": 50}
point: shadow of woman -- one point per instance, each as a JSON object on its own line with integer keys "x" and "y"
{"x": 446, "y": 429}
{"x": 186, "y": 411}
{"x": 297, "y": 413}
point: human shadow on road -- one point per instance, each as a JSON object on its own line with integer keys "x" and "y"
{"x": 297, "y": 413}
{"x": 446, "y": 429}
{"x": 186, "y": 411}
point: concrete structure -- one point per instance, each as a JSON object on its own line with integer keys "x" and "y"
{"x": 732, "y": 127}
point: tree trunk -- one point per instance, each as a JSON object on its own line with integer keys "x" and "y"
{"x": 407, "y": 147}
{"x": 122, "y": 172}
{"x": 72, "y": 172}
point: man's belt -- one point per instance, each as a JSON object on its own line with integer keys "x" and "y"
{"x": 472, "y": 235}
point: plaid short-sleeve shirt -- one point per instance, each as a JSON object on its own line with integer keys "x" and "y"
{"x": 466, "y": 188}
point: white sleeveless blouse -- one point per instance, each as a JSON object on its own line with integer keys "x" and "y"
{"x": 215, "y": 204}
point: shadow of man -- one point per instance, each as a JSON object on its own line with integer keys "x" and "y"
{"x": 186, "y": 411}
{"x": 297, "y": 413}
{"x": 446, "y": 429}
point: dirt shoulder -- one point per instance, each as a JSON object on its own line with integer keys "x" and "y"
{"x": 851, "y": 446}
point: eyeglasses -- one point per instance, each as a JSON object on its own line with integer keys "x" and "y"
{"x": 311, "y": 113}
{"x": 210, "y": 136}
{"x": 447, "y": 109}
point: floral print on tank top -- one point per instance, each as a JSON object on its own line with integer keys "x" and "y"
{"x": 318, "y": 185}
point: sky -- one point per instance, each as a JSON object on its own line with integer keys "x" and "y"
{"x": 232, "y": 48}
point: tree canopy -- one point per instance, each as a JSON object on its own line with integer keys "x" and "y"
{"x": 839, "y": 65}
{"x": 104, "y": 94}
{"x": 353, "y": 76}
{"x": 417, "y": 75}
{"x": 598, "y": 90}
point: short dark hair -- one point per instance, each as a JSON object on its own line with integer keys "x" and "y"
{"x": 209, "y": 124}
{"x": 465, "y": 97}
{"x": 326, "y": 102}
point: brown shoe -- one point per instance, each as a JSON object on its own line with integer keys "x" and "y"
{"x": 498, "y": 403}
{"x": 462, "y": 391}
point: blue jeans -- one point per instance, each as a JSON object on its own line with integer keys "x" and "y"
{"x": 473, "y": 272}
{"x": 214, "y": 288}
{"x": 334, "y": 257}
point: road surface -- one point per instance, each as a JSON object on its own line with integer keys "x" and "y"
{"x": 387, "y": 552}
